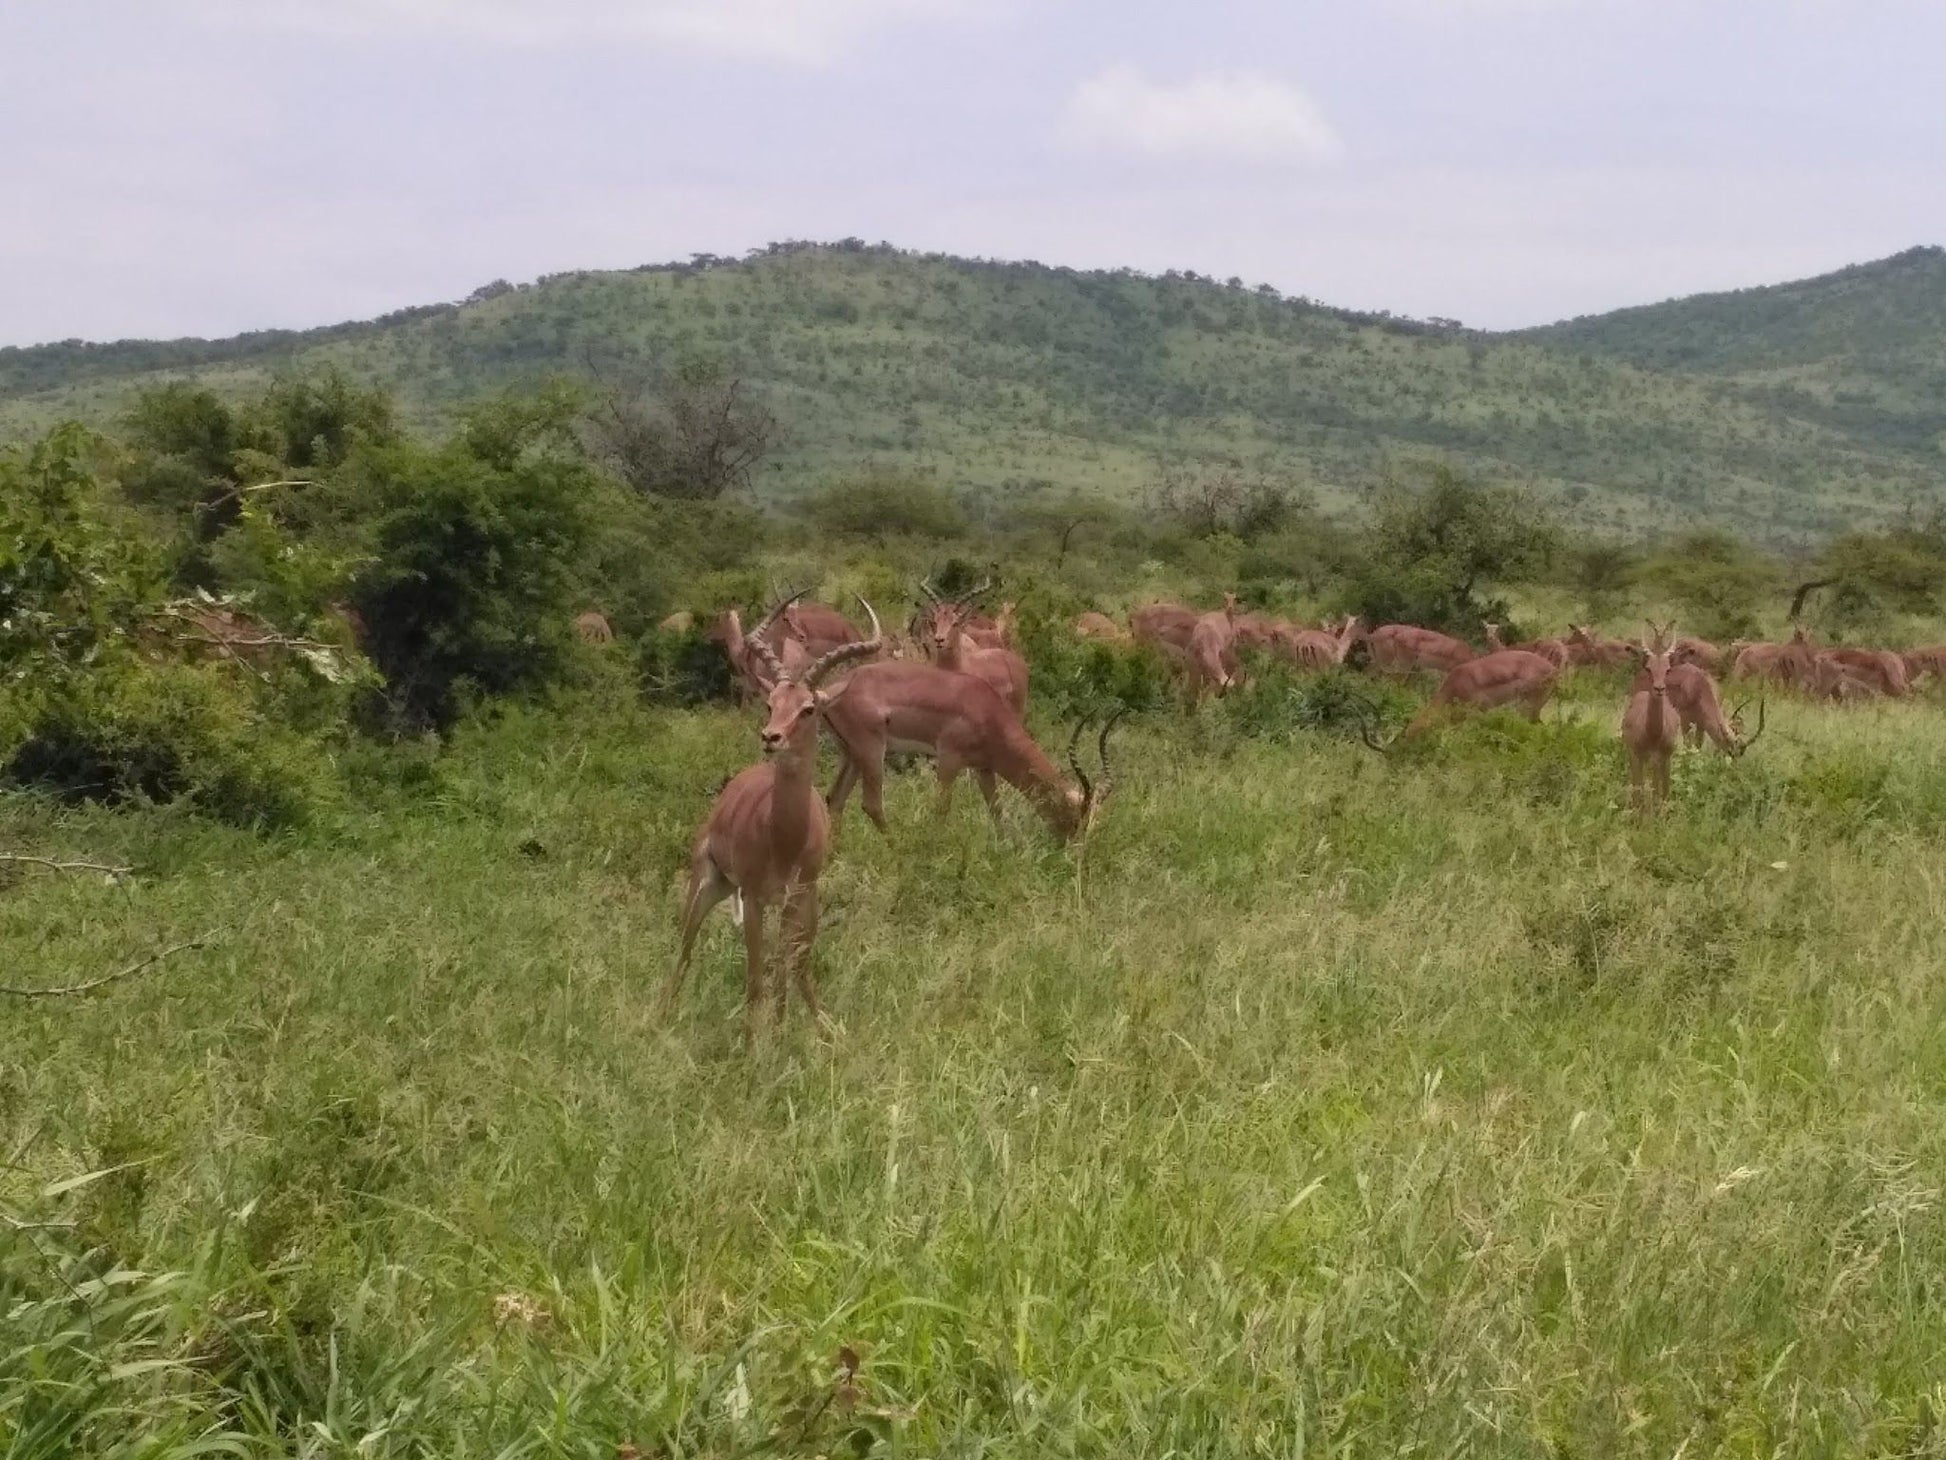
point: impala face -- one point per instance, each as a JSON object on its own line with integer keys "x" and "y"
{"x": 793, "y": 710}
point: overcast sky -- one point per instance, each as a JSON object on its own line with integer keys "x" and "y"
{"x": 178, "y": 167}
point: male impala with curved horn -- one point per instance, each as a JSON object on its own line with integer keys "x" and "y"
{"x": 1651, "y": 728}
{"x": 765, "y": 839}
{"x": 951, "y": 647}
{"x": 964, "y": 724}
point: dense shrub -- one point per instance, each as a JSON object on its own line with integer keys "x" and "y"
{"x": 879, "y": 505}
{"x": 467, "y": 588}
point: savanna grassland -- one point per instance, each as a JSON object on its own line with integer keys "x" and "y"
{"x": 1324, "y": 1104}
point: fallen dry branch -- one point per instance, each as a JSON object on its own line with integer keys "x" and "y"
{"x": 95, "y": 983}
{"x": 52, "y": 864}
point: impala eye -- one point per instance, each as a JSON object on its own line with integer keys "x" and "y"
{"x": 805, "y": 711}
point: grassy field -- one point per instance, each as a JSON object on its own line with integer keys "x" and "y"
{"x": 1327, "y": 1105}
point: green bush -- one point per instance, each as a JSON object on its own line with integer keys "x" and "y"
{"x": 168, "y": 733}
{"x": 468, "y": 588}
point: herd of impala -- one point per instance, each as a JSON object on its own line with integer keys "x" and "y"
{"x": 952, "y": 687}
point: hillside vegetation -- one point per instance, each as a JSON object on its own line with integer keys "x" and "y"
{"x": 1004, "y": 380}
{"x": 1862, "y": 351}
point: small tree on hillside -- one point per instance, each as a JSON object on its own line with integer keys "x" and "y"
{"x": 1436, "y": 553}
{"x": 693, "y": 433}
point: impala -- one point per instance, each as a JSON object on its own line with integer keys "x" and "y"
{"x": 950, "y": 647}
{"x": 1699, "y": 652}
{"x": 1651, "y": 728}
{"x": 1880, "y": 668}
{"x": 1692, "y": 695}
{"x": 1162, "y": 624}
{"x": 1320, "y": 648}
{"x": 766, "y": 836}
{"x": 1212, "y": 662}
{"x": 1402, "y": 648}
{"x": 1554, "y": 651}
{"x": 1590, "y": 649}
{"x": 964, "y": 725}
{"x": 1794, "y": 663}
{"x": 1925, "y": 661}
{"x": 593, "y": 627}
{"x": 1507, "y": 677}
{"x": 1098, "y": 626}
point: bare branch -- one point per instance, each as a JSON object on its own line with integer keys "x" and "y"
{"x": 92, "y": 984}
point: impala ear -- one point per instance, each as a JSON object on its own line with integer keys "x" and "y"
{"x": 826, "y": 698}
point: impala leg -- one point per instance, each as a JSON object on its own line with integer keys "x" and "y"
{"x": 1661, "y": 782}
{"x": 707, "y": 887}
{"x": 991, "y": 790}
{"x": 753, "y": 970}
{"x": 841, "y": 788}
{"x": 800, "y": 930}
{"x": 948, "y": 767}
{"x": 872, "y": 776}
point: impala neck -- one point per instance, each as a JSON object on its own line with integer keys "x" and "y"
{"x": 794, "y": 786}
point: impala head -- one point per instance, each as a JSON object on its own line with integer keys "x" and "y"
{"x": 796, "y": 701}
{"x": 1657, "y": 652}
{"x": 1230, "y": 606}
{"x": 1738, "y": 743}
{"x": 752, "y": 653}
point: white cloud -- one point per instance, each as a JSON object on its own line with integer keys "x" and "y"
{"x": 801, "y": 32}
{"x": 1220, "y": 114}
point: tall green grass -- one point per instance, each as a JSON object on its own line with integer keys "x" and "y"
{"x": 1326, "y": 1104}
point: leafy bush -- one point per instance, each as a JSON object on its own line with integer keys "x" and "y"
{"x": 881, "y": 504}
{"x": 166, "y": 733}
{"x": 468, "y": 583}
{"x": 685, "y": 667}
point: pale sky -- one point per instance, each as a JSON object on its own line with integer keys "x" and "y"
{"x": 172, "y": 167}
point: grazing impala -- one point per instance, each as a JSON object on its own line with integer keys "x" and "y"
{"x": 1588, "y": 649}
{"x": 1693, "y": 696}
{"x": 1651, "y": 727}
{"x": 950, "y": 648}
{"x": 1925, "y": 661}
{"x": 1794, "y": 663}
{"x": 766, "y": 837}
{"x": 964, "y": 725}
{"x": 1319, "y": 648}
{"x": 1098, "y": 626}
{"x": 1554, "y": 651}
{"x": 1163, "y": 624}
{"x": 1402, "y": 648}
{"x": 1212, "y": 661}
{"x": 1508, "y": 677}
{"x": 593, "y": 627}
{"x": 1880, "y": 668}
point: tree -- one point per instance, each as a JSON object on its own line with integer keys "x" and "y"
{"x": 694, "y": 433}
{"x": 1434, "y": 551}
{"x": 470, "y": 552}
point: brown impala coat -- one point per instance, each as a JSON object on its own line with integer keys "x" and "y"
{"x": 1163, "y": 623}
{"x": 1880, "y": 668}
{"x": 1651, "y": 727}
{"x": 951, "y": 647}
{"x": 1212, "y": 651}
{"x": 1319, "y": 648}
{"x": 1405, "y": 647}
{"x": 1098, "y": 626}
{"x": 963, "y": 724}
{"x": 766, "y": 836}
{"x": 1508, "y": 677}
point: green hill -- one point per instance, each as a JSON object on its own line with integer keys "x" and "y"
{"x": 1862, "y": 350}
{"x": 1010, "y": 377}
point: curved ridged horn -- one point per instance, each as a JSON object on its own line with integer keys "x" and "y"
{"x": 967, "y": 598}
{"x": 845, "y": 653}
{"x": 1074, "y": 764}
{"x": 1762, "y": 705}
{"x": 761, "y": 645}
{"x": 1101, "y": 754}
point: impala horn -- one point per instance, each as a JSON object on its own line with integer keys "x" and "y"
{"x": 1762, "y": 705}
{"x": 845, "y": 653}
{"x": 761, "y": 645}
